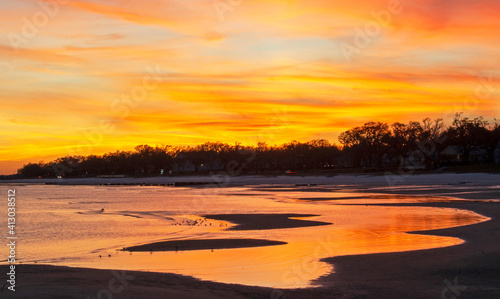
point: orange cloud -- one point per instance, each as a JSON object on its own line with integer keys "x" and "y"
{"x": 230, "y": 74}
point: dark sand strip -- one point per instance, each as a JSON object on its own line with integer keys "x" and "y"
{"x": 286, "y": 188}
{"x": 56, "y": 282}
{"x": 203, "y": 244}
{"x": 266, "y": 221}
{"x": 332, "y": 198}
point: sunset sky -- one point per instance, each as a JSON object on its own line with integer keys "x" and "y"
{"x": 88, "y": 76}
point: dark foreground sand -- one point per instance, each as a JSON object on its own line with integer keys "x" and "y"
{"x": 470, "y": 270}
{"x": 42, "y": 281}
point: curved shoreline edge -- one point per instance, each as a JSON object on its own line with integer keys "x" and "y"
{"x": 473, "y": 266}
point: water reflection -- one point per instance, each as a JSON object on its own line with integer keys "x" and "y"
{"x": 61, "y": 233}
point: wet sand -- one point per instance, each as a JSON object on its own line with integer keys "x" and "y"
{"x": 203, "y": 244}
{"x": 470, "y": 270}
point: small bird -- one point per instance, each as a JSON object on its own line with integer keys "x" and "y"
{"x": 99, "y": 256}
{"x": 109, "y": 255}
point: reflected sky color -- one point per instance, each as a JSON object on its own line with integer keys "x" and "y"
{"x": 63, "y": 225}
{"x": 248, "y": 71}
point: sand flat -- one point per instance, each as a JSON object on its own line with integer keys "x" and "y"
{"x": 203, "y": 244}
{"x": 266, "y": 221}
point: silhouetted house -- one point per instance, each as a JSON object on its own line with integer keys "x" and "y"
{"x": 478, "y": 155}
{"x": 144, "y": 169}
{"x": 185, "y": 166}
{"x": 386, "y": 161}
{"x": 265, "y": 166}
{"x": 190, "y": 167}
{"x": 345, "y": 160}
{"x": 497, "y": 154}
{"x": 215, "y": 165}
{"x": 326, "y": 165}
{"x": 413, "y": 162}
{"x": 452, "y": 154}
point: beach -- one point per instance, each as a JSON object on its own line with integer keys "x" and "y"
{"x": 468, "y": 270}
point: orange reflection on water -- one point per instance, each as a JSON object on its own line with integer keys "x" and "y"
{"x": 355, "y": 229}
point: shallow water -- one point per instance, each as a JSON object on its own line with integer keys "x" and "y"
{"x": 65, "y": 225}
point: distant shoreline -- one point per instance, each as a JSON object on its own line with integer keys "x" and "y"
{"x": 391, "y": 180}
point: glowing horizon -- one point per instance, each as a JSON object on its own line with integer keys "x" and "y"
{"x": 118, "y": 73}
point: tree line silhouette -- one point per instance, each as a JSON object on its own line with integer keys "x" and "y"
{"x": 374, "y": 145}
